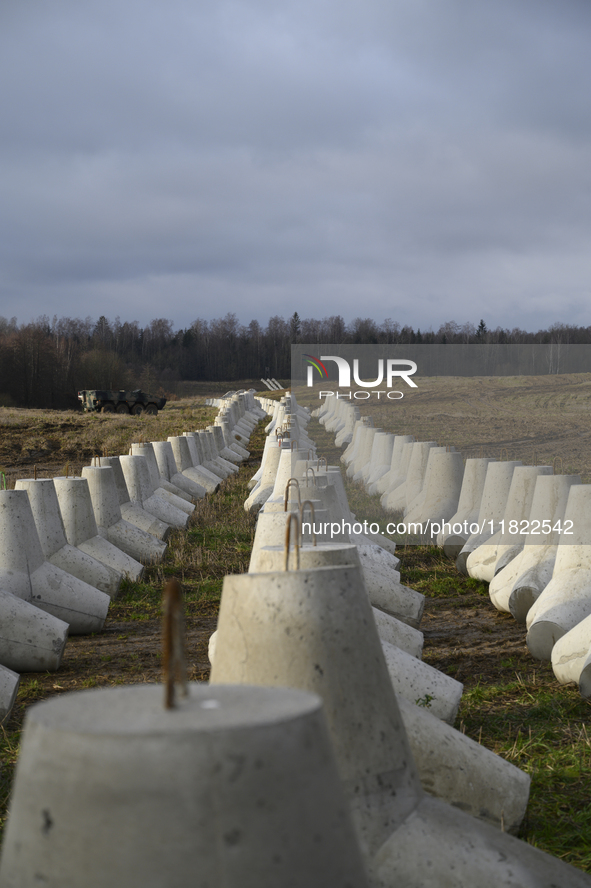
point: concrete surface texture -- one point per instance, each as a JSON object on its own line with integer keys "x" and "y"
{"x": 260, "y": 756}
{"x": 300, "y": 629}
{"x": 31, "y": 640}
{"x": 418, "y": 682}
{"x": 440, "y": 845}
{"x": 9, "y": 682}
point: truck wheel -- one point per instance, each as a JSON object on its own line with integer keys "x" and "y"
{"x": 137, "y": 409}
{"x": 122, "y": 408}
{"x": 108, "y": 408}
{"x": 151, "y": 409}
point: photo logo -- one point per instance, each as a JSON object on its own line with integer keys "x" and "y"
{"x": 388, "y": 371}
{"x": 315, "y": 364}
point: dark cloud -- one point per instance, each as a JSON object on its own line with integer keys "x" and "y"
{"x": 412, "y": 159}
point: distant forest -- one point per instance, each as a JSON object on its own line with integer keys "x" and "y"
{"x": 46, "y": 362}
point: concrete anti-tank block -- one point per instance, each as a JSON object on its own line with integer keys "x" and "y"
{"x": 492, "y": 507}
{"x": 571, "y": 657}
{"x": 81, "y": 529}
{"x": 417, "y": 681}
{"x": 111, "y": 525}
{"x": 9, "y": 682}
{"x": 31, "y": 640}
{"x": 168, "y": 469}
{"x": 133, "y": 512}
{"x": 163, "y": 488}
{"x": 390, "y": 629}
{"x": 452, "y": 541}
{"x": 52, "y": 536}
{"x": 280, "y": 629}
{"x": 186, "y": 466}
{"x": 141, "y": 491}
{"x": 261, "y": 756}
{"x": 53, "y": 590}
{"x": 481, "y": 563}
{"x": 315, "y": 630}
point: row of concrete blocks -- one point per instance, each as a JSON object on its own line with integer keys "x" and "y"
{"x": 303, "y": 795}
{"x": 264, "y": 754}
{"x": 343, "y": 626}
{"x": 272, "y": 384}
{"x": 542, "y": 577}
{"x": 66, "y": 543}
{"x": 397, "y": 610}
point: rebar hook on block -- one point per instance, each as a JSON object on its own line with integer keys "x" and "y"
{"x": 310, "y": 504}
{"x": 310, "y": 469}
{"x": 293, "y": 482}
{"x": 292, "y": 517}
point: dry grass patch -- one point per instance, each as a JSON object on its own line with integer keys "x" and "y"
{"x": 53, "y": 440}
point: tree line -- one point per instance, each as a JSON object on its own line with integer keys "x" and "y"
{"x": 46, "y": 362}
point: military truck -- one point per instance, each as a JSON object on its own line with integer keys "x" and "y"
{"x": 97, "y": 401}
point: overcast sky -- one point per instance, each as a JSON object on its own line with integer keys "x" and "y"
{"x": 420, "y": 160}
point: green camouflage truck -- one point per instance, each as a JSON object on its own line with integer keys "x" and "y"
{"x": 97, "y": 401}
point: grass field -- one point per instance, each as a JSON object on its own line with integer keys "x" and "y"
{"x": 54, "y": 441}
{"x": 511, "y": 703}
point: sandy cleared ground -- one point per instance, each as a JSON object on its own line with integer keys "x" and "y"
{"x": 541, "y": 420}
